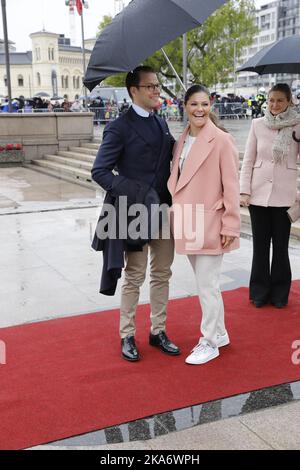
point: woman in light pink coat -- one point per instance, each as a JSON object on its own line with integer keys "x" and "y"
{"x": 205, "y": 216}
{"x": 269, "y": 188}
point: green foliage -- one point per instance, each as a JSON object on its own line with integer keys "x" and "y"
{"x": 105, "y": 21}
{"x": 210, "y": 47}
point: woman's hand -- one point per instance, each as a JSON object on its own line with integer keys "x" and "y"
{"x": 226, "y": 240}
{"x": 244, "y": 200}
{"x": 298, "y": 198}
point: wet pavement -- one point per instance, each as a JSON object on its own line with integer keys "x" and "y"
{"x": 23, "y": 190}
{"x": 48, "y": 270}
{"x": 53, "y": 248}
{"x": 189, "y": 417}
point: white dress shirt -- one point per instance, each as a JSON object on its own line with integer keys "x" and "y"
{"x": 140, "y": 111}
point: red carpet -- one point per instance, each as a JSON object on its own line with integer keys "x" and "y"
{"x": 65, "y": 377}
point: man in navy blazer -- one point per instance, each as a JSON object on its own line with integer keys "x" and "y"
{"x": 139, "y": 146}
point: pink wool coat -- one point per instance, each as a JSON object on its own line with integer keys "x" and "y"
{"x": 267, "y": 183}
{"x": 206, "y": 193}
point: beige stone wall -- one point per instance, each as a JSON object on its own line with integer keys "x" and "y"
{"x": 71, "y": 65}
{"x": 90, "y": 43}
{"x": 16, "y": 70}
{"x": 42, "y": 64}
{"x": 43, "y": 133}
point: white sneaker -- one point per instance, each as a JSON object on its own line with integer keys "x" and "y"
{"x": 223, "y": 340}
{"x": 202, "y": 353}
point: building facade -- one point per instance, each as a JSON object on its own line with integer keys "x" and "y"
{"x": 275, "y": 20}
{"x": 289, "y": 18}
{"x": 288, "y": 24}
{"x": 267, "y": 18}
{"x": 53, "y": 66}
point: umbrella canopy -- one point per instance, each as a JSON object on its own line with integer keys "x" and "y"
{"x": 142, "y": 28}
{"x": 280, "y": 57}
{"x": 42, "y": 94}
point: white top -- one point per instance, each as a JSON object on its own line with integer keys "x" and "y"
{"x": 186, "y": 150}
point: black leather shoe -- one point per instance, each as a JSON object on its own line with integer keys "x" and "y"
{"x": 279, "y": 304}
{"x": 259, "y": 303}
{"x": 129, "y": 349}
{"x": 162, "y": 342}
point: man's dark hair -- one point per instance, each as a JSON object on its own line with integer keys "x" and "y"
{"x": 134, "y": 77}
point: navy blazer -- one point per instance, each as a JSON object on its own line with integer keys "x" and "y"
{"x": 125, "y": 148}
{"x": 104, "y": 238}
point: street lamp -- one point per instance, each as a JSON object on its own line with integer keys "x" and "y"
{"x": 3, "y": 5}
{"x": 184, "y": 60}
{"x": 234, "y": 65}
{"x": 80, "y": 5}
{"x": 85, "y": 4}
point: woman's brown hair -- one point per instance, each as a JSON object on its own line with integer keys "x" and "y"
{"x": 283, "y": 88}
{"x": 199, "y": 89}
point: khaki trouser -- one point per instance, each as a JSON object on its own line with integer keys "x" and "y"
{"x": 161, "y": 258}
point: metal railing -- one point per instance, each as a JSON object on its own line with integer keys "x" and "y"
{"x": 103, "y": 115}
{"x": 232, "y": 110}
{"x": 171, "y": 113}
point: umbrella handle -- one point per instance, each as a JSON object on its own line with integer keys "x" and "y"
{"x": 173, "y": 68}
{"x": 295, "y": 138}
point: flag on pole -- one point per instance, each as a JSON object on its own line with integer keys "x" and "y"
{"x": 79, "y": 6}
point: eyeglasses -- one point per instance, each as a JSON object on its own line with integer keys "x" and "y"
{"x": 151, "y": 87}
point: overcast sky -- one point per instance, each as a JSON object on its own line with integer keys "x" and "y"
{"x": 28, "y": 16}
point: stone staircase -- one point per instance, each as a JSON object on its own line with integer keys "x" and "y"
{"x": 75, "y": 164}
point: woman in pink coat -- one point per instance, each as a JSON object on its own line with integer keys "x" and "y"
{"x": 269, "y": 188}
{"x": 205, "y": 216}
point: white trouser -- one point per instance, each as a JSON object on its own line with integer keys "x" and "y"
{"x": 207, "y": 269}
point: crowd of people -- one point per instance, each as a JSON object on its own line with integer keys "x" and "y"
{"x": 41, "y": 104}
{"x": 170, "y": 108}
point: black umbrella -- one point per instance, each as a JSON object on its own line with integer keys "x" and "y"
{"x": 42, "y": 94}
{"x": 142, "y": 28}
{"x": 282, "y": 56}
